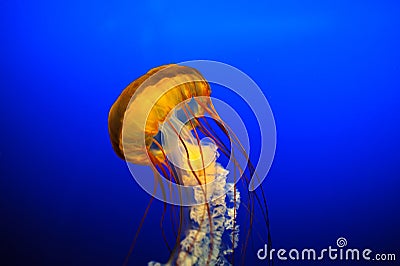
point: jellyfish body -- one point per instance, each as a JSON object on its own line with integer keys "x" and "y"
{"x": 146, "y": 102}
{"x": 158, "y": 121}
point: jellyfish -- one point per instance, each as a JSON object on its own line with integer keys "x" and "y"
{"x": 165, "y": 121}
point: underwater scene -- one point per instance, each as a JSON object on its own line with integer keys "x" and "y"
{"x": 200, "y": 133}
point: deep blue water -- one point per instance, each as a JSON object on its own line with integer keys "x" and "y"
{"x": 331, "y": 73}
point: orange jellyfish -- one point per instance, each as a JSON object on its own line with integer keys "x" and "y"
{"x": 166, "y": 121}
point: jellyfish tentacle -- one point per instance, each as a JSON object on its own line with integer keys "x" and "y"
{"x": 165, "y": 158}
{"x": 163, "y": 216}
{"x": 223, "y": 220}
{"x": 218, "y": 141}
{"x": 238, "y": 167}
{"x": 188, "y": 158}
{"x": 237, "y": 142}
{"x": 138, "y": 112}
{"x": 264, "y": 206}
{"x": 203, "y": 191}
{"x": 210, "y": 109}
{"x": 160, "y": 182}
{"x": 204, "y": 175}
{"x": 171, "y": 122}
{"x": 156, "y": 176}
{"x": 137, "y": 232}
{"x": 178, "y": 234}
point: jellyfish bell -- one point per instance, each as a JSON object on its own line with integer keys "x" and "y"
{"x": 135, "y": 117}
{"x": 159, "y": 121}
{"x": 172, "y": 98}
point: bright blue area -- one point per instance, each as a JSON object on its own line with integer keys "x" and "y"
{"x": 330, "y": 70}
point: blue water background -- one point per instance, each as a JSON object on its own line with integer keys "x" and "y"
{"x": 331, "y": 73}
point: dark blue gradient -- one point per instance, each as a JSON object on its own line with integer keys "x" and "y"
{"x": 331, "y": 73}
